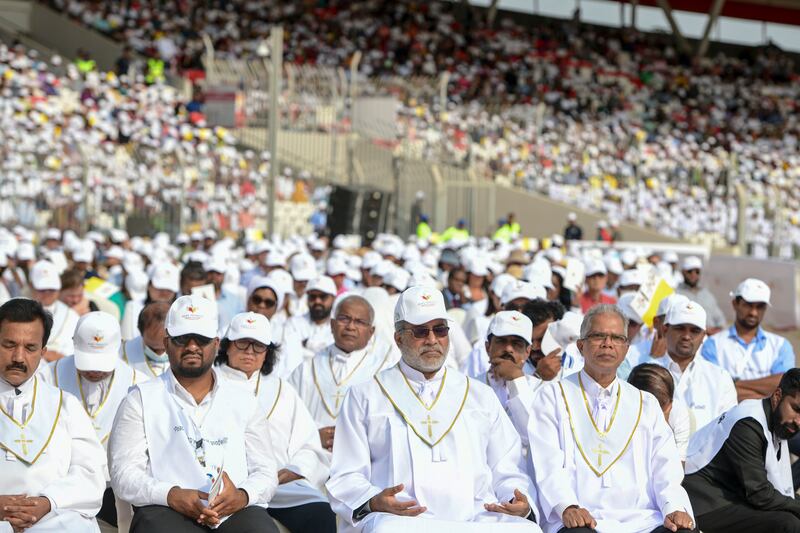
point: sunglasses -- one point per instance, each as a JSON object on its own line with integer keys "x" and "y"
{"x": 421, "y": 332}
{"x": 258, "y": 300}
{"x": 184, "y": 340}
{"x": 244, "y": 344}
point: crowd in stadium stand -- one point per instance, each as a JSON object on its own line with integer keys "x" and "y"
{"x": 629, "y": 126}
{"x": 138, "y": 143}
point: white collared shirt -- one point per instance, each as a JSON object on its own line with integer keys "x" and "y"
{"x": 128, "y": 453}
{"x": 706, "y": 389}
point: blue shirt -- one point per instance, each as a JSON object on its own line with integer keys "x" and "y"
{"x": 767, "y": 354}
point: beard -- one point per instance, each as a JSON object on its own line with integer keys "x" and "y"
{"x": 424, "y": 364}
{"x": 186, "y": 371}
{"x": 782, "y": 430}
{"x": 318, "y": 312}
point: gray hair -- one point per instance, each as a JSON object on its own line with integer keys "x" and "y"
{"x": 355, "y": 298}
{"x": 602, "y": 309}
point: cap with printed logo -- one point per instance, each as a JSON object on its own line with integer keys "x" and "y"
{"x": 688, "y": 312}
{"x": 506, "y": 323}
{"x": 44, "y": 277}
{"x": 420, "y": 305}
{"x": 753, "y": 290}
{"x": 97, "y": 340}
{"x": 250, "y": 326}
{"x": 192, "y": 314}
{"x": 322, "y": 284}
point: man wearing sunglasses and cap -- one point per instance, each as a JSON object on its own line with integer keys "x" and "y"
{"x": 424, "y": 446}
{"x": 177, "y": 436}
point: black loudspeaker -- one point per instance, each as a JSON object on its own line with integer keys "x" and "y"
{"x": 342, "y": 211}
{"x": 374, "y": 208}
{"x": 361, "y": 211}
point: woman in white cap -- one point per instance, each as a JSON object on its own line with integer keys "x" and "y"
{"x": 46, "y": 284}
{"x": 247, "y": 357}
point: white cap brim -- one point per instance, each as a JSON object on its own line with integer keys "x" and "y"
{"x": 94, "y": 362}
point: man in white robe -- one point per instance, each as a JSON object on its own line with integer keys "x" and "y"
{"x": 603, "y": 462}
{"x": 46, "y": 285}
{"x": 147, "y": 353}
{"x": 355, "y": 356}
{"x": 52, "y": 478}
{"x": 423, "y": 447}
{"x": 97, "y": 377}
{"x": 314, "y": 328}
{"x": 189, "y": 450}
{"x": 246, "y": 358}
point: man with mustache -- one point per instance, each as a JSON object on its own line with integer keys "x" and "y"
{"x": 754, "y": 358}
{"x": 423, "y": 447}
{"x": 706, "y": 389}
{"x": 508, "y": 345}
{"x": 176, "y": 435}
{"x": 314, "y": 328}
{"x": 604, "y": 458}
{"x": 53, "y": 466}
{"x": 738, "y": 469}
{"x": 354, "y": 356}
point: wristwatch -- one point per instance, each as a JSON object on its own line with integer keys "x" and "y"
{"x": 362, "y": 511}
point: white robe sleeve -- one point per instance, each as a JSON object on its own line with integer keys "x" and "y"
{"x": 349, "y": 486}
{"x": 306, "y": 456}
{"x": 553, "y": 471}
{"x": 81, "y": 490}
{"x": 128, "y": 459}
{"x": 666, "y": 465}
{"x": 505, "y": 459}
{"x": 262, "y": 473}
{"x": 520, "y": 405}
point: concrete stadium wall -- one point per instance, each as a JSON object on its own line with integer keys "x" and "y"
{"x": 724, "y": 272}
{"x": 18, "y": 12}
{"x": 540, "y": 216}
{"x": 65, "y": 36}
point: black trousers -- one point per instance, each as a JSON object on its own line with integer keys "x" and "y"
{"x": 108, "y": 512}
{"x": 160, "y": 519}
{"x": 660, "y": 529}
{"x": 310, "y": 518}
{"x": 734, "y": 518}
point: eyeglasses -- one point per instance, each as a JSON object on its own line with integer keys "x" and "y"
{"x": 245, "y": 344}
{"x": 599, "y": 338}
{"x": 310, "y": 296}
{"x": 421, "y": 332}
{"x": 184, "y": 340}
{"x": 693, "y": 271}
{"x": 267, "y": 302}
{"x": 346, "y": 320}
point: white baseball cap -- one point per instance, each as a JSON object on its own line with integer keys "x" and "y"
{"x": 97, "y": 341}
{"x": 166, "y": 277}
{"x": 250, "y": 326}
{"x": 269, "y": 282}
{"x": 215, "y": 263}
{"x": 595, "y": 266}
{"x": 52, "y": 234}
{"x": 630, "y": 277}
{"x": 628, "y": 257}
{"x": 613, "y": 265}
{"x": 668, "y": 301}
{"x": 691, "y": 263}
{"x": 322, "y": 284}
{"x": 670, "y": 257}
{"x": 507, "y": 323}
{"x": 193, "y": 314}
{"x": 419, "y": 305}
{"x": 44, "y": 276}
{"x": 753, "y": 290}
{"x": 398, "y": 278}
{"x": 115, "y": 252}
{"x": 336, "y": 266}
{"x": 478, "y": 266}
{"x": 688, "y": 312}
{"x": 522, "y": 289}
{"x": 303, "y": 268}
{"x": 26, "y": 252}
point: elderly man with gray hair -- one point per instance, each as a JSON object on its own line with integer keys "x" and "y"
{"x": 604, "y": 458}
{"x": 355, "y": 355}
